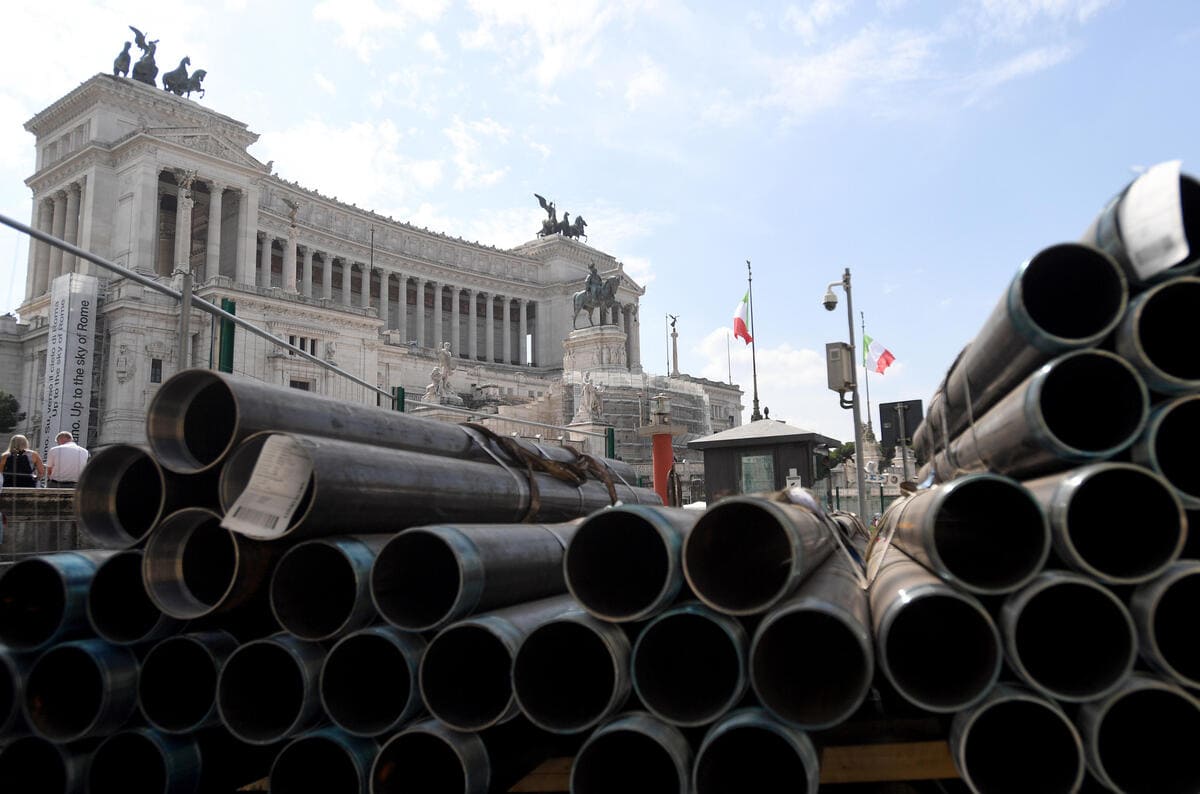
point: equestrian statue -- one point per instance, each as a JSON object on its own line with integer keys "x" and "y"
{"x": 145, "y": 70}
{"x": 552, "y": 225}
{"x": 597, "y": 293}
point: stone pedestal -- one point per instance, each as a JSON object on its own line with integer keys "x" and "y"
{"x": 593, "y": 445}
{"x": 599, "y": 348}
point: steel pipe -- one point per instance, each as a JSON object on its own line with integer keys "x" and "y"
{"x": 571, "y": 672}
{"x": 1148, "y": 336}
{"x": 267, "y": 690}
{"x": 118, "y": 607}
{"x": 321, "y": 588}
{"x": 624, "y": 563}
{"x": 689, "y": 664}
{"x": 810, "y": 689}
{"x": 746, "y": 554}
{"x": 1141, "y": 737}
{"x": 1053, "y": 419}
{"x": 43, "y": 599}
{"x": 14, "y": 668}
{"x": 144, "y": 761}
{"x": 749, "y": 750}
{"x": 426, "y": 578}
{"x": 1016, "y": 740}
{"x": 177, "y": 690}
{"x": 1115, "y": 522}
{"x": 1068, "y": 637}
{"x": 983, "y": 532}
{"x": 390, "y": 489}
{"x": 369, "y": 680}
{"x": 936, "y": 645}
{"x": 466, "y": 673}
{"x": 1164, "y": 611}
{"x": 32, "y": 763}
{"x": 1165, "y": 446}
{"x": 80, "y": 689}
{"x": 633, "y": 752}
{"x": 326, "y": 760}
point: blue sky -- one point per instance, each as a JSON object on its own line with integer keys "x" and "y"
{"x": 930, "y": 147}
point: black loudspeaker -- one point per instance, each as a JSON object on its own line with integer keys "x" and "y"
{"x": 889, "y": 421}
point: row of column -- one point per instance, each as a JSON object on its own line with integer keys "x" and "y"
{"x": 56, "y": 214}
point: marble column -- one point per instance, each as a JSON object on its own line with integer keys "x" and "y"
{"x": 347, "y": 275}
{"x": 402, "y": 307}
{"x": 523, "y": 331}
{"x": 72, "y": 226}
{"x": 264, "y": 260}
{"x": 506, "y": 324}
{"x": 307, "y": 275}
{"x": 289, "y": 262}
{"x": 472, "y": 325}
{"x": 489, "y": 344}
{"x": 455, "y": 338}
{"x": 183, "y": 226}
{"x": 42, "y": 265}
{"x": 437, "y": 315}
{"x": 247, "y": 223}
{"x": 212, "y": 250}
{"x": 420, "y": 312}
{"x": 365, "y": 294}
{"x": 635, "y": 357}
{"x": 58, "y": 225}
{"x": 385, "y": 299}
{"x": 35, "y": 221}
{"x": 326, "y": 275}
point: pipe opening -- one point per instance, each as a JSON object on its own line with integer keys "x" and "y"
{"x": 168, "y": 705}
{"x": 942, "y": 652}
{"x": 64, "y": 693}
{"x": 32, "y": 764}
{"x": 1189, "y": 199}
{"x": 738, "y": 557}
{"x": 628, "y": 762}
{"x": 1174, "y": 441}
{"x": 749, "y": 759}
{"x": 1158, "y": 328}
{"x": 465, "y": 677}
{"x": 1107, "y": 505}
{"x": 810, "y": 668}
{"x": 1147, "y": 742}
{"x": 33, "y": 601}
{"x": 192, "y": 564}
{"x": 1028, "y": 731}
{"x": 1051, "y": 286}
{"x": 1175, "y": 626}
{"x": 10, "y": 691}
{"x": 1074, "y": 640}
{"x": 564, "y": 676}
{"x": 260, "y": 693}
{"x": 416, "y": 581}
{"x": 129, "y": 763}
{"x": 1076, "y": 418}
{"x": 239, "y": 467}
{"x": 120, "y": 495}
{"x": 366, "y": 685}
{"x": 313, "y": 591}
{"x": 991, "y": 535}
{"x": 1191, "y": 544}
{"x": 413, "y": 762}
{"x": 192, "y": 421}
{"x": 688, "y": 669}
{"x": 314, "y": 763}
{"x": 618, "y": 565}
{"x": 120, "y": 610}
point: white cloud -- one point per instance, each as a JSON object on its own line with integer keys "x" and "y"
{"x": 806, "y": 22}
{"x": 365, "y": 25}
{"x": 324, "y": 83}
{"x": 429, "y": 43}
{"x": 1023, "y": 65}
{"x": 1012, "y": 15}
{"x": 639, "y": 269}
{"x": 466, "y": 139}
{"x": 649, "y": 82}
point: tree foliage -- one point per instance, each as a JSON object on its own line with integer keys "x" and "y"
{"x": 10, "y": 412}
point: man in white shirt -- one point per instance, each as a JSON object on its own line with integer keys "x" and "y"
{"x": 64, "y": 463}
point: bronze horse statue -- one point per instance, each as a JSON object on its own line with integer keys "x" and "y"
{"x": 605, "y": 298}
{"x": 569, "y": 229}
{"x": 193, "y": 83}
{"x": 176, "y": 80}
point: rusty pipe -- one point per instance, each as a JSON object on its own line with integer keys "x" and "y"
{"x": 177, "y": 690}
{"x": 327, "y": 760}
{"x": 267, "y": 689}
{"x": 43, "y": 599}
{"x": 1148, "y": 336}
{"x": 426, "y": 578}
{"x": 369, "y": 680}
{"x": 1166, "y": 444}
{"x": 1012, "y": 723}
{"x": 746, "y": 554}
{"x": 1068, "y": 637}
{"x": 32, "y": 763}
{"x": 143, "y": 760}
{"x": 689, "y": 664}
{"x": 624, "y": 563}
{"x": 1164, "y": 611}
{"x": 633, "y": 752}
{"x": 749, "y": 750}
{"x": 80, "y": 689}
{"x": 321, "y": 588}
{"x": 1092, "y": 511}
{"x": 118, "y": 606}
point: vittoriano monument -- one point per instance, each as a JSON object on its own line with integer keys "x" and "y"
{"x": 596, "y": 294}
{"x": 177, "y": 81}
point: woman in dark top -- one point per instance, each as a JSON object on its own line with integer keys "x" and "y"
{"x": 22, "y": 467}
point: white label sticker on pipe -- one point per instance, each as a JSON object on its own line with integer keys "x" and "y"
{"x": 1151, "y": 220}
{"x": 281, "y": 474}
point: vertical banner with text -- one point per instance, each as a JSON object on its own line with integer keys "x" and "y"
{"x": 69, "y": 348}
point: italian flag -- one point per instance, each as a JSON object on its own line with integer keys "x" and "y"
{"x": 876, "y": 357}
{"x": 739, "y": 319}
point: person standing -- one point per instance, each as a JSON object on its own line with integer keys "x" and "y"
{"x": 22, "y": 467}
{"x": 64, "y": 463}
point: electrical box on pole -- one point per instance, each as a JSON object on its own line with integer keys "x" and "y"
{"x": 839, "y": 364}
{"x": 898, "y": 421}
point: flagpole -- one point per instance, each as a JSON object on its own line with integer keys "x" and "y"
{"x": 728, "y": 358}
{"x": 755, "y": 415}
{"x": 866, "y": 372}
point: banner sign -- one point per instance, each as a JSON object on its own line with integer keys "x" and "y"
{"x": 70, "y": 345}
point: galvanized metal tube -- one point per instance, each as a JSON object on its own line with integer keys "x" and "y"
{"x": 426, "y": 578}
{"x": 1165, "y": 446}
{"x": 144, "y": 761}
{"x": 1148, "y": 336}
{"x": 321, "y": 588}
{"x": 428, "y": 756}
{"x": 571, "y": 672}
{"x": 466, "y": 673}
{"x": 633, "y": 752}
{"x": 1164, "y": 611}
{"x": 369, "y": 680}
{"x": 32, "y": 763}
{"x": 1012, "y": 734}
{"x": 937, "y": 645}
{"x": 746, "y": 554}
{"x": 177, "y": 690}
{"x": 14, "y": 668}
{"x": 749, "y": 750}
{"x": 118, "y": 607}
{"x": 689, "y": 664}
{"x": 983, "y": 532}
{"x": 1053, "y": 420}
{"x": 1068, "y": 637}
{"x": 80, "y": 689}
{"x": 1115, "y": 522}
{"x": 268, "y": 689}
{"x": 810, "y": 689}
{"x": 327, "y": 760}
{"x": 1141, "y": 737}
{"x": 624, "y": 563}
{"x": 43, "y": 599}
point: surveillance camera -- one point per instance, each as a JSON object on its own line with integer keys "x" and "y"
{"x": 830, "y": 301}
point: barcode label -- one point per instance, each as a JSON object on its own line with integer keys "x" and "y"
{"x": 1151, "y": 220}
{"x": 281, "y": 474}
{"x": 260, "y": 517}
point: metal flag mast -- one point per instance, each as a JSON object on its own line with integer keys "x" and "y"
{"x": 866, "y": 372}
{"x": 755, "y": 415}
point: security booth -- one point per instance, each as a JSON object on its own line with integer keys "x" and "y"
{"x": 766, "y": 455}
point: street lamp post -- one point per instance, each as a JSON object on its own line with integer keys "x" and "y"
{"x": 830, "y": 303}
